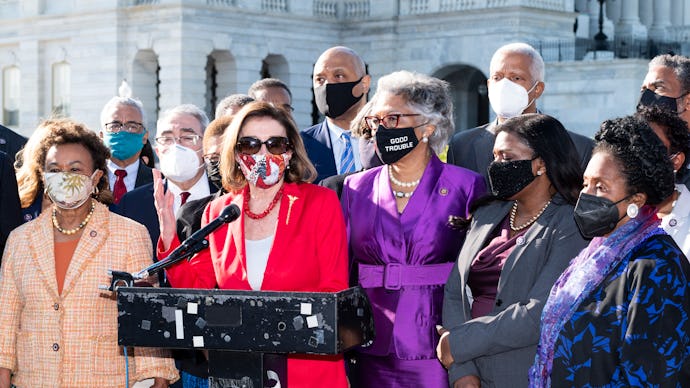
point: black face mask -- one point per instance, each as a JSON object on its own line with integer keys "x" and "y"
{"x": 596, "y": 216}
{"x": 393, "y": 144}
{"x": 509, "y": 178}
{"x": 333, "y": 100}
{"x": 213, "y": 172}
{"x": 648, "y": 99}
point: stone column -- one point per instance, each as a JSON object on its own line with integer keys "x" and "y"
{"x": 31, "y": 96}
{"x": 629, "y": 26}
{"x": 661, "y": 20}
{"x": 613, "y": 10}
{"x": 677, "y": 12}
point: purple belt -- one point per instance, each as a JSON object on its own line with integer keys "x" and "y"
{"x": 394, "y": 276}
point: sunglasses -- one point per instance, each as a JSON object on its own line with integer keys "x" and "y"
{"x": 276, "y": 145}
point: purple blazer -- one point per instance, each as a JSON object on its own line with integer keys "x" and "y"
{"x": 403, "y": 260}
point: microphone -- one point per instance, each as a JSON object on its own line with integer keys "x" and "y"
{"x": 193, "y": 244}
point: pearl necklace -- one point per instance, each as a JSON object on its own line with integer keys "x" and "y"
{"x": 513, "y": 213}
{"x": 400, "y": 183}
{"x": 69, "y": 232}
{"x": 264, "y": 213}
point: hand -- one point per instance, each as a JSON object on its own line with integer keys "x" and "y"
{"x": 443, "y": 348}
{"x": 469, "y": 381}
{"x": 159, "y": 382}
{"x": 5, "y": 375}
{"x": 164, "y": 206}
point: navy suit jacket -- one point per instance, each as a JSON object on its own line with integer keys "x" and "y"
{"x": 10, "y": 208}
{"x": 138, "y": 206}
{"x": 317, "y": 141}
{"x": 144, "y": 175}
{"x": 11, "y": 142}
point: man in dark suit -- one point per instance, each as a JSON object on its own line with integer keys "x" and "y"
{"x": 516, "y": 81}
{"x": 11, "y": 142}
{"x": 123, "y": 131}
{"x": 10, "y": 208}
{"x": 668, "y": 77}
{"x": 340, "y": 88}
{"x": 179, "y": 134}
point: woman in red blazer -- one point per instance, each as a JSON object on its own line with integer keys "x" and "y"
{"x": 291, "y": 236}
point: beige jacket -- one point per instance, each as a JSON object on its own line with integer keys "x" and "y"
{"x": 70, "y": 340}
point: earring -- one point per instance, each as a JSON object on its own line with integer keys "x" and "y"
{"x": 539, "y": 172}
{"x": 425, "y": 139}
{"x": 632, "y": 210}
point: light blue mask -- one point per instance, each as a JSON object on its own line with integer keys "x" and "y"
{"x": 123, "y": 145}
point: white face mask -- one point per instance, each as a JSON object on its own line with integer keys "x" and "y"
{"x": 179, "y": 163}
{"x": 509, "y": 99}
{"x": 68, "y": 190}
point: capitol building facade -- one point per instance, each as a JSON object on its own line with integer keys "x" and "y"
{"x": 68, "y": 57}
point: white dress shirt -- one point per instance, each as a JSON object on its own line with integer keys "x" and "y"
{"x": 200, "y": 190}
{"x": 131, "y": 178}
{"x": 677, "y": 223}
{"x": 338, "y": 145}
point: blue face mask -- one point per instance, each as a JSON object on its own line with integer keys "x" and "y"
{"x": 123, "y": 145}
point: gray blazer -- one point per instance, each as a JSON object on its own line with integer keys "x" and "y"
{"x": 500, "y": 347}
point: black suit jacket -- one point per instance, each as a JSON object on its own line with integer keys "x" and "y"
{"x": 144, "y": 175}
{"x": 138, "y": 206}
{"x": 473, "y": 149}
{"x": 10, "y": 207}
{"x": 11, "y": 142}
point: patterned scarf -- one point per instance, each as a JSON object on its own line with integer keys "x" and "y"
{"x": 583, "y": 275}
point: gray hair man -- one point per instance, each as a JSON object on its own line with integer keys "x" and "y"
{"x": 123, "y": 131}
{"x": 515, "y": 83}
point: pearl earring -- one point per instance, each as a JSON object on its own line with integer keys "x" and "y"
{"x": 425, "y": 139}
{"x": 632, "y": 211}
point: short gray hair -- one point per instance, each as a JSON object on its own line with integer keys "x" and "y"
{"x": 232, "y": 101}
{"x": 679, "y": 64}
{"x": 427, "y": 95}
{"x": 536, "y": 68}
{"x": 122, "y": 101}
{"x": 184, "y": 109}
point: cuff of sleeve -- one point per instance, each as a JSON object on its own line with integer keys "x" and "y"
{"x": 458, "y": 370}
{"x": 162, "y": 254}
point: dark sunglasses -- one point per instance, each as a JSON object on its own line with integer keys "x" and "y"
{"x": 250, "y": 145}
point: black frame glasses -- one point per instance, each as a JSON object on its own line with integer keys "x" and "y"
{"x": 130, "y": 126}
{"x": 249, "y": 145}
{"x": 389, "y": 121}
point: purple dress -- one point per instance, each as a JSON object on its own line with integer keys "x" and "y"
{"x": 403, "y": 261}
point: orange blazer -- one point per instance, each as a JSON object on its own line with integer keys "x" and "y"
{"x": 309, "y": 253}
{"x": 70, "y": 339}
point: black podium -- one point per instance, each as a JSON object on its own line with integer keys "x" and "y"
{"x": 248, "y": 333}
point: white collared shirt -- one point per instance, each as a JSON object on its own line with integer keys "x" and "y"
{"x": 338, "y": 145}
{"x": 200, "y": 190}
{"x": 131, "y": 177}
{"x": 677, "y": 223}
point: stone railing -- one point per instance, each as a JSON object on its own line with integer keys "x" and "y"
{"x": 432, "y": 6}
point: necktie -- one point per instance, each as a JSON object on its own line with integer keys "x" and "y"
{"x": 347, "y": 159}
{"x": 183, "y": 197}
{"x": 119, "y": 189}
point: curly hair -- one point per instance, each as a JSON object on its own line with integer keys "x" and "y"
{"x": 675, "y": 129}
{"x": 426, "y": 95}
{"x": 300, "y": 168}
{"x": 54, "y": 132}
{"x": 549, "y": 140}
{"x": 641, "y": 156}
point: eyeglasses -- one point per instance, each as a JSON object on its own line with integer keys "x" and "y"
{"x": 249, "y": 145}
{"x": 130, "y": 126}
{"x": 184, "y": 140}
{"x": 212, "y": 158}
{"x": 388, "y": 121}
